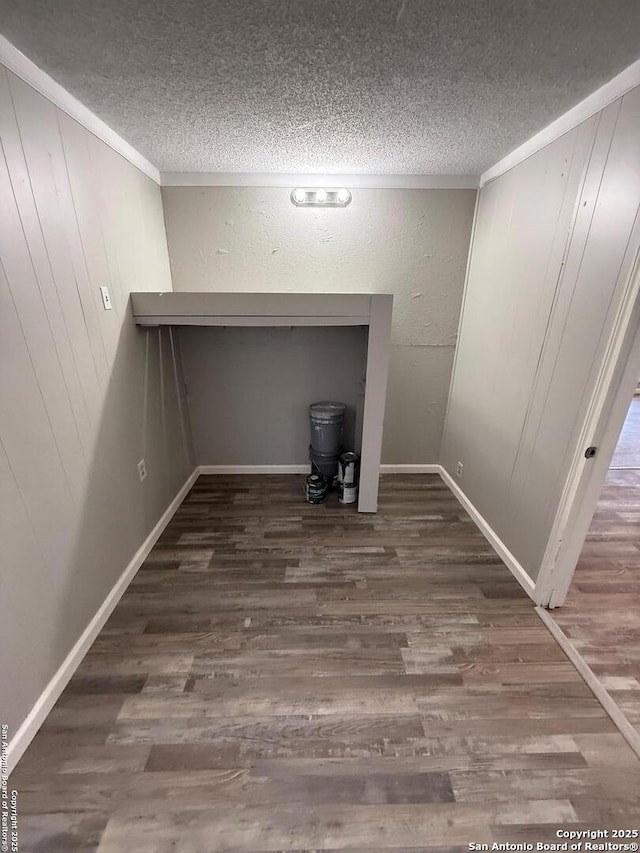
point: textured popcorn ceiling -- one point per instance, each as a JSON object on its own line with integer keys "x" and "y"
{"x": 369, "y": 86}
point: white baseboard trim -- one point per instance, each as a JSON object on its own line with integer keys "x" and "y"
{"x": 623, "y": 725}
{"x": 304, "y": 469}
{"x": 254, "y": 469}
{"x": 491, "y": 536}
{"x": 54, "y": 688}
{"x": 420, "y": 468}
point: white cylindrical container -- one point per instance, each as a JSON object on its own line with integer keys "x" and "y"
{"x": 348, "y": 476}
{"x": 347, "y": 494}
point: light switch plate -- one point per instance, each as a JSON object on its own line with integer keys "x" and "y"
{"x": 106, "y": 299}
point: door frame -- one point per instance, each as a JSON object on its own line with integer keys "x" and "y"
{"x": 614, "y": 388}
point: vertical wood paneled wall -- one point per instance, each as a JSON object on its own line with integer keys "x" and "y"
{"x": 84, "y": 393}
{"x": 555, "y": 241}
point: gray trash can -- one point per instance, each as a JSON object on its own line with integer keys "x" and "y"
{"x": 326, "y": 421}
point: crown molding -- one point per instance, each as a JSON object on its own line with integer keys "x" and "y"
{"x": 592, "y": 104}
{"x": 20, "y": 65}
{"x": 273, "y": 179}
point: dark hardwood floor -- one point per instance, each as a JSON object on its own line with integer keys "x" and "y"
{"x": 601, "y": 616}
{"x": 281, "y": 676}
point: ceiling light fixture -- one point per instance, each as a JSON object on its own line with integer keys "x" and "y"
{"x": 320, "y": 197}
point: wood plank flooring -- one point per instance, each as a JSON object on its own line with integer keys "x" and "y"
{"x": 601, "y": 616}
{"x": 281, "y": 676}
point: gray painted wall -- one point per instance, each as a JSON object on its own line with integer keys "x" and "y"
{"x": 412, "y": 243}
{"x": 553, "y": 248}
{"x": 250, "y": 389}
{"x": 84, "y": 393}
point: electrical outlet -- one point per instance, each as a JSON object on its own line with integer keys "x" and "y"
{"x": 142, "y": 470}
{"x": 459, "y": 467}
{"x": 106, "y": 299}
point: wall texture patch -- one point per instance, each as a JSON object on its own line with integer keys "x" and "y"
{"x": 412, "y": 243}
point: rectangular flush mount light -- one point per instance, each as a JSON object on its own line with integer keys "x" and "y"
{"x": 320, "y": 197}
